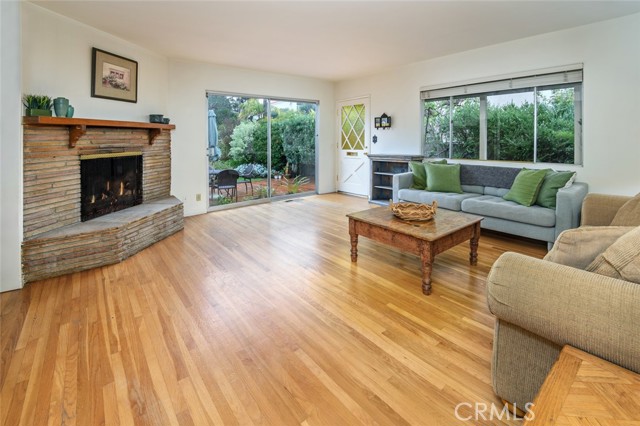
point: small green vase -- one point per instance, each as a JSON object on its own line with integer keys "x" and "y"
{"x": 60, "y": 105}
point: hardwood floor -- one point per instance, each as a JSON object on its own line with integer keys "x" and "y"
{"x": 255, "y": 316}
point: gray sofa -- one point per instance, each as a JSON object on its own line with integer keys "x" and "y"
{"x": 484, "y": 187}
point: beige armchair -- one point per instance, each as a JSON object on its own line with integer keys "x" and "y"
{"x": 541, "y": 306}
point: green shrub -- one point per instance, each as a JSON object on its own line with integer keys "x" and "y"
{"x": 298, "y": 140}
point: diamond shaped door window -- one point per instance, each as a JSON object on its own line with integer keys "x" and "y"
{"x": 352, "y": 127}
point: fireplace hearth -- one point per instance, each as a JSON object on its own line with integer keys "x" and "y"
{"x": 109, "y": 182}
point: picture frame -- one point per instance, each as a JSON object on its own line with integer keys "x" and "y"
{"x": 113, "y": 76}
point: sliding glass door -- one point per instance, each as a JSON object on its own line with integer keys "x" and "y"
{"x": 260, "y": 148}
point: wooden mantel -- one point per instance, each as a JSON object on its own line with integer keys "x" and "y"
{"x": 78, "y": 126}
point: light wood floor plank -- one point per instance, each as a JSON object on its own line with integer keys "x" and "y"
{"x": 255, "y": 316}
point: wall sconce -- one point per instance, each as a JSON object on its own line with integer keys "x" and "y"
{"x": 382, "y": 122}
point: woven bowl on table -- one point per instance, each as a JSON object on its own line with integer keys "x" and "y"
{"x": 413, "y": 211}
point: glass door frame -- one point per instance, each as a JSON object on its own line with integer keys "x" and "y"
{"x": 269, "y": 196}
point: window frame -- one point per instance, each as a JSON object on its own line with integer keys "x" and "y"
{"x": 547, "y": 79}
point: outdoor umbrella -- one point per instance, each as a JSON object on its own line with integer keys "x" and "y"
{"x": 214, "y": 151}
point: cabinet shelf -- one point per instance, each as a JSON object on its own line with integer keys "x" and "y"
{"x": 383, "y": 168}
{"x": 78, "y": 126}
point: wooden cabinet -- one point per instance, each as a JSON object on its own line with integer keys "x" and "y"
{"x": 383, "y": 167}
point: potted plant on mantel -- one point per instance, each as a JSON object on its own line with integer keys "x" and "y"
{"x": 37, "y": 105}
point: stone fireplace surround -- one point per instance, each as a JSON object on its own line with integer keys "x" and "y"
{"x": 56, "y": 242}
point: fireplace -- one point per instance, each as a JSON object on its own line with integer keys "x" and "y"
{"x": 58, "y": 238}
{"x": 109, "y": 182}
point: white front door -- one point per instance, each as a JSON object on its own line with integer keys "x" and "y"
{"x": 353, "y": 146}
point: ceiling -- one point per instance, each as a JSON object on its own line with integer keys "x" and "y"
{"x": 332, "y": 40}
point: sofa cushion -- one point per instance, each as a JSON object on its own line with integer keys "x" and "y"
{"x": 412, "y": 195}
{"x": 446, "y": 200}
{"x": 419, "y": 175}
{"x": 489, "y": 205}
{"x": 497, "y": 192}
{"x": 579, "y": 247}
{"x": 622, "y": 259}
{"x": 476, "y": 189}
{"x": 629, "y": 213}
{"x": 443, "y": 177}
{"x": 526, "y": 187}
{"x": 551, "y": 184}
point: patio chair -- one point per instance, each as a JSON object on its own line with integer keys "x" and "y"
{"x": 246, "y": 176}
{"x": 227, "y": 181}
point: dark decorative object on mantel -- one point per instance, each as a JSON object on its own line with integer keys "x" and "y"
{"x": 113, "y": 77}
{"x": 158, "y": 118}
{"x": 382, "y": 122}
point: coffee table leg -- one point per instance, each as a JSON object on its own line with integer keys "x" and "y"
{"x": 426, "y": 256}
{"x": 354, "y": 240}
{"x": 473, "y": 244}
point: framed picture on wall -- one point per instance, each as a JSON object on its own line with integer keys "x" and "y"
{"x": 113, "y": 77}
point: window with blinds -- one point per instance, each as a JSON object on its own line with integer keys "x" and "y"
{"x": 533, "y": 118}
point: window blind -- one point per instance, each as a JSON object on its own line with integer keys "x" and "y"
{"x": 507, "y": 84}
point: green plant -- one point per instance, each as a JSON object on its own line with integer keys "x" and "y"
{"x": 263, "y": 192}
{"x": 241, "y": 146}
{"x": 293, "y": 186}
{"x": 224, "y": 200}
{"x": 278, "y": 159}
{"x": 37, "y": 102}
{"x": 221, "y": 165}
{"x": 298, "y": 140}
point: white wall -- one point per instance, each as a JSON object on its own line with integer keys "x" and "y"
{"x": 57, "y": 62}
{"x": 188, "y": 85}
{"x": 10, "y": 148}
{"x": 610, "y": 52}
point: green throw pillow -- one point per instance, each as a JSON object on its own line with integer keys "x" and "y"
{"x": 442, "y": 161}
{"x": 526, "y": 186}
{"x": 551, "y": 184}
{"x": 419, "y": 175}
{"x": 443, "y": 177}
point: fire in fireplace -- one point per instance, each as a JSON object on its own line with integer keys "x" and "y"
{"x": 109, "y": 182}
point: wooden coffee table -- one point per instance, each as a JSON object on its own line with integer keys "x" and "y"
{"x": 425, "y": 239}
